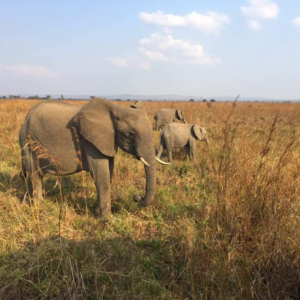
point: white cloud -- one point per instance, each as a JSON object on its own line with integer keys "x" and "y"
{"x": 296, "y": 22}
{"x": 254, "y": 25}
{"x": 261, "y": 9}
{"x": 211, "y": 22}
{"x": 165, "y": 48}
{"x": 167, "y": 30}
{"x": 28, "y": 70}
{"x": 118, "y": 61}
{"x": 130, "y": 61}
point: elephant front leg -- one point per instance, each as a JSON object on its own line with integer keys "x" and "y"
{"x": 100, "y": 171}
{"x": 187, "y": 151}
{"x": 170, "y": 158}
{"x": 193, "y": 152}
{"x": 102, "y": 179}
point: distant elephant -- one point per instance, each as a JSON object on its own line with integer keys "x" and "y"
{"x": 176, "y": 135}
{"x": 165, "y": 116}
{"x": 138, "y": 104}
{"x": 59, "y": 138}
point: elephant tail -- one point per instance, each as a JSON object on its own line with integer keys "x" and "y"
{"x": 23, "y": 173}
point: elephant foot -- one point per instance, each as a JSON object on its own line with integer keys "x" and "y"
{"x": 97, "y": 210}
{"x": 102, "y": 213}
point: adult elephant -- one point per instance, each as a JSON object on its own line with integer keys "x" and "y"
{"x": 165, "y": 116}
{"x": 59, "y": 138}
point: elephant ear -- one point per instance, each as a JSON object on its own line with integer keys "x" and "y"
{"x": 199, "y": 132}
{"x": 179, "y": 114}
{"x": 96, "y": 123}
{"x": 135, "y": 105}
{"x": 138, "y": 105}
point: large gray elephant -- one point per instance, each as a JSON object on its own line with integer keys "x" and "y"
{"x": 59, "y": 138}
{"x": 138, "y": 104}
{"x": 176, "y": 135}
{"x": 165, "y": 116}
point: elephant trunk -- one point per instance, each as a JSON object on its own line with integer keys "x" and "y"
{"x": 150, "y": 172}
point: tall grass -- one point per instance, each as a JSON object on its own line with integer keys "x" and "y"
{"x": 225, "y": 227}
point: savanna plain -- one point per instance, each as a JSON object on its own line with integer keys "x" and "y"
{"x": 226, "y": 226}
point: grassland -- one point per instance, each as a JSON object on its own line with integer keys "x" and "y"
{"x": 225, "y": 227}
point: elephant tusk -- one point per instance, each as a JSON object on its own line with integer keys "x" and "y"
{"x": 185, "y": 121}
{"x": 56, "y": 184}
{"x": 144, "y": 162}
{"x": 162, "y": 162}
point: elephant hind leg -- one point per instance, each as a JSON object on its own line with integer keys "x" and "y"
{"x": 160, "y": 151}
{"x": 170, "y": 158}
{"x": 31, "y": 176}
{"x": 34, "y": 186}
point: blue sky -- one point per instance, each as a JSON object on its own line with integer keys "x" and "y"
{"x": 186, "y": 47}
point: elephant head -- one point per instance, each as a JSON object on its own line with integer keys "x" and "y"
{"x": 200, "y": 133}
{"x": 180, "y": 116}
{"x": 138, "y": 104}
{"x": 108, "y": 126}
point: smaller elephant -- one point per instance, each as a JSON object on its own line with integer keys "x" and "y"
{"x": 165, "y": 116}
{"x": 138, "y": 104}
{"x": 176, "y": 135}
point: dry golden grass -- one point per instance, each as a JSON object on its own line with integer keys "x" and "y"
{"x": 225, "y": 227}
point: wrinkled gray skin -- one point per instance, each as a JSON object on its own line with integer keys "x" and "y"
{"x": 176, "y": 135}
{"x": 138, "y": 104}
{"x": 165, "y": 116}
{"x": 59, "y": 138}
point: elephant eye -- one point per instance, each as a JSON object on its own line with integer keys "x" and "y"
{"x": 131, "y": 134}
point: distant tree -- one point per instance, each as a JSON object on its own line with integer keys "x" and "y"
{"x": 14, "y": 96}
{"x": 192, "y": 100}
{"x": 212, "y": 100}
{"x": 204, "y": 100}
{"x": 92, "y": 97}
{"x": 48, "y": 97}
{"x": 33, "y": 97}
{"x": 62, "y": 97}
{"x": 4, "y": 97}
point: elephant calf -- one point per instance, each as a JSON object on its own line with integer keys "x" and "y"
{"x": 165, "y": 116}
{"x": 138, "y": 104}
{"x": 176, "y": 135}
